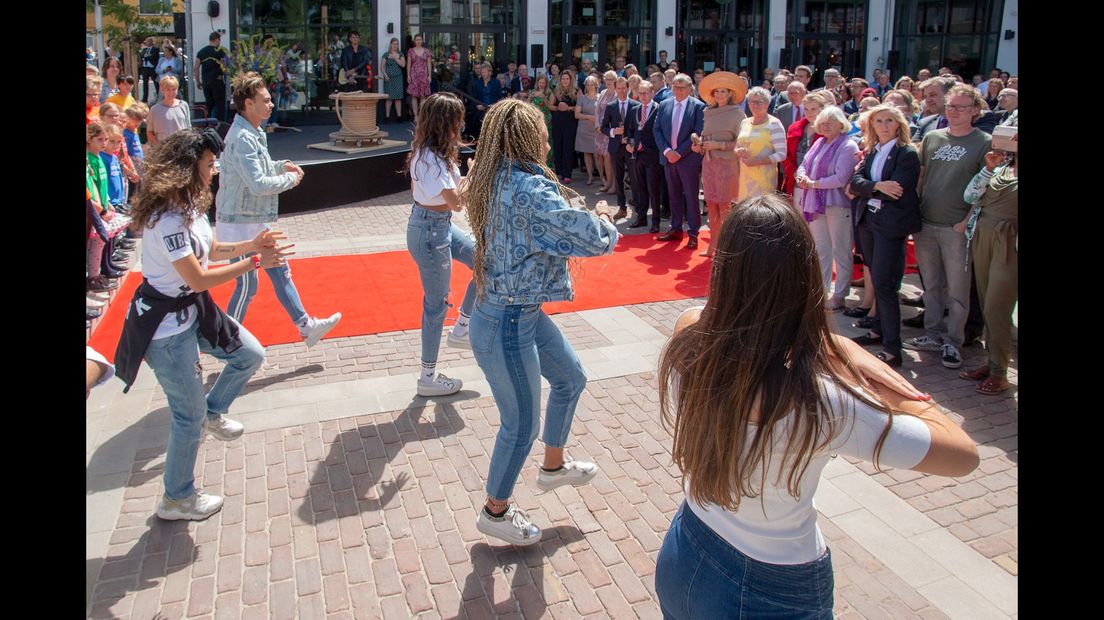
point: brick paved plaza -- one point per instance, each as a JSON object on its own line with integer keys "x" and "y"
{"x": 350, "y": 497}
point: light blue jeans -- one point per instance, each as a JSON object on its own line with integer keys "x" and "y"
{"x": 433, "y": 243}
{"x": 175, "y": 362}
{"x": 245, "y": 288}
{"x": 699, "y": 575}
{"x": 514, "y": 346}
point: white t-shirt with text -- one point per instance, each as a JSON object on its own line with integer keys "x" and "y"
{"x": 166, "y": 242}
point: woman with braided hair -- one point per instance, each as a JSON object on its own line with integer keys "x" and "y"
{"x": 172, "y": 317}
{"x": 525, "y": 231}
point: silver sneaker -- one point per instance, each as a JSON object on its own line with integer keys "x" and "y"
{"x": 440, "y": 386}
{"x": 459, "y": 342}
{"x": 224, "y": 428}
{"x": 923, "y": 343}
{"x": 316, "y": 328}
{"x": 575, "y": 473}
{"x": 197, "y": 507}
{"x": 513, "y": 527}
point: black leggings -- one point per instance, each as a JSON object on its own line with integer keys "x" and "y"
{"x": 563, "y": 144}
{"x": 146, "y": 76}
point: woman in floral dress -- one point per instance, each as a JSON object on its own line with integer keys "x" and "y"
{"x": 419, "y": 67}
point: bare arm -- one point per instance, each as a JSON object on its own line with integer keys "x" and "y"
{"x": 952, "y": 452}
{"x": 199, "y": 279}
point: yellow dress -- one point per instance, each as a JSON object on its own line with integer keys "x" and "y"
{"x": 758, "y": 140}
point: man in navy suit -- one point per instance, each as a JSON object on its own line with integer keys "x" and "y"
{"x": 677, "y": 119}
{"x": 647, "y": 172}
{"x": 619, "y": 122}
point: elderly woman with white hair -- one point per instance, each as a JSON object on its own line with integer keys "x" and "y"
{"x": 761, "y": 146}
{"x": 823, "y": 175}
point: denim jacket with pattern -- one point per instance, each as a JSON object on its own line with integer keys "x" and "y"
{"x": 535, "y": 233}
{"x": 248, "y": 178}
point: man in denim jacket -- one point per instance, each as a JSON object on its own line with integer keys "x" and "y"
{"x": 246, "y": 203}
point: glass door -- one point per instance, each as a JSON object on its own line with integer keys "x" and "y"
{"x": 822, "y": 53}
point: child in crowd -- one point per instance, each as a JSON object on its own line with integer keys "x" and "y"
{"x": 112, "y": 115}
{"x": 134, "y": 116}
{"x": 123, "y": 98}
{"x": 97, "y": 185}
{"x": 115, "y": 259}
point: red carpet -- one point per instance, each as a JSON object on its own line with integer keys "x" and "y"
{"x": 382, "y": 292}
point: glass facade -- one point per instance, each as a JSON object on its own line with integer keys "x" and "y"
{"x": 601, "y": 30}
{"x": 468, "y": 31}
{"x": 959, "y": 34}
{"x": 723, "y": 34}
{"x": 827, "y": 34}
{"x": 307, "y": 33}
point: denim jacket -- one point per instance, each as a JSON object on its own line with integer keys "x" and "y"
{"x": 526, "y": 259}
{"x": 248, "y": 178}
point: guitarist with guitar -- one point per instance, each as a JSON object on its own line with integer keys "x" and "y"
{"x": 356, "y": 70}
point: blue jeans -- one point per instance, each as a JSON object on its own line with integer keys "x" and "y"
{"x": 175, "y": 362}
{"x": 699, "y": 575}
{"x": 245, "y": 287}
{"x": 514, "y": 346}
{"x": 433, "y": 243}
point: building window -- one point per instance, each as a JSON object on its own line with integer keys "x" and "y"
{"x": 827, "y": 34}
{"x": 959, "y": 34}
{"x": 154, "y": 7}
{"x": 601, "y": 30}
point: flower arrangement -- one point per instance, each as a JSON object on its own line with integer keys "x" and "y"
{"x": 254, "y": 54}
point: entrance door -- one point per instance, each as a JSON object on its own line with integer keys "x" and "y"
{"x": 822, "y": 53}
{"x": 602, "y": 46}
{"x": 467, "y": 47}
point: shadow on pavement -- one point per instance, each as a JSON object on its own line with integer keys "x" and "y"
{"x": 166, "y": 547}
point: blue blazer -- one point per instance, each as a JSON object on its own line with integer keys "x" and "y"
{"x": 693, "y": 120}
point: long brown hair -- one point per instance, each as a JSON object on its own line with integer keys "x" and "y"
{"x": 438, "y": 131}
{"x": 510, "y": 136}
{"x": 171, "y": 181}
{"x": 731, "y": 384}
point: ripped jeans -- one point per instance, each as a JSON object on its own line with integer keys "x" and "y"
{"x": 433, "y": 243}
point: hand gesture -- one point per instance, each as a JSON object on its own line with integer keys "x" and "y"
{"x": 603, "y": 208}
{"x": 619, "y": 131}
{"x": 628, "y": 147}
{"x": 562, "y": 107}
{"x": 275, "y": 256}
{"x": 993, "y": 159}
{"x": 267, "y": 239}
{"x": 673, "y": 156}
{"x": 696, "y": 147}
{"x": 892, "y": 189}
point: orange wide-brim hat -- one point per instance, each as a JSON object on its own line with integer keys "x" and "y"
{"x": 723, "y": 79}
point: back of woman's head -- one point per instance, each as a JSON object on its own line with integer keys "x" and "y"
{"x": 171, "y": 181}
{"x": 438, "y": 130}
{"x": 747, "y": 371}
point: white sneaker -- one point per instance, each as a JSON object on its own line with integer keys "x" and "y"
{"x": 459, "y": 342}
{"x": 923, "y": 343}
{"x": 197, "y": 507}
{"x": 316, "y": 328}
{"x": 99, "y": 295}
{"x": 224, "y": 429}
{"x": 575, "y": 473}
{"x": 440, "y": 386}
{"x": 513, "y": 527}
{"x": 94, "y": 303}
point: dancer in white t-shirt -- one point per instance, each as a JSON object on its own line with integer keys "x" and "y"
{"x": 431, "y": 238}
{"x": 760, "y": 395}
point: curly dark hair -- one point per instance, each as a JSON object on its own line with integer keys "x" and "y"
{"x": 172, "y": 181}
{"x": 439, "y": 124}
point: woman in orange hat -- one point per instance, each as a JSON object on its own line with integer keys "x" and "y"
{"x": 724, "y": 92}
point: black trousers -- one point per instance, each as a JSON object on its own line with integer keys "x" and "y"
{"x": 214, "y": 93}
{"x": 975, "y": 321}
{"x": 147, "y": 76}
{"x": 620, "y": 159}
{"x": 647, "y": 187}
{"x": 563, "y": 144}
{"x": 885, "y": 257}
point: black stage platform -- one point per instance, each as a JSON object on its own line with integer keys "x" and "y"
{"x": 333, "y": 178}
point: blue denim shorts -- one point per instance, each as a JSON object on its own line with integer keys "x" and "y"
{"x": 700, "y": 575}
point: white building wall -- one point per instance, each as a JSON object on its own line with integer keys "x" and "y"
{"x": 1008, "y": 51}
{"x": 202, "y": 25}
{"x": 666, "y": 17}
{"x": 536, "y": 22}
{"x": 776, "y": 32}
{"x": 387, "y": 12}
{"x": 879, "y": 36}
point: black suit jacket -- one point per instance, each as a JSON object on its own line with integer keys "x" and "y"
{"x": 645, "y": 137}
{"x": 611, "y": 119}
{"x": 897, "y": 218}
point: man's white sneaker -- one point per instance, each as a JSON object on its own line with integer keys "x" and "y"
{"x": 575, "y": 473}
{"x": 199, "y": 506}
{"x": 224, "y": 428}
{"x": 95, "y": 303}
{"x": 316, "y": 328}
{"x": 459, "y": 342}
{"x": 440, "y": 386}
{"x": 513, "y": 527}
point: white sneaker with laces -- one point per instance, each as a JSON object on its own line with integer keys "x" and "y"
{"x": 440, "y": 386}
{"x": 513, "y": 527}
{"x": 224, "y": 428}
{"x": 459, "y": 342}
{"x": 575, "y": 473}
{"x": 197, "y": 507}
{"x": 316, "y": 328}
{"x": 923, "y": 343}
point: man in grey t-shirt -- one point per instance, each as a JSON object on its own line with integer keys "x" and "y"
{"x": 949, "y": 159}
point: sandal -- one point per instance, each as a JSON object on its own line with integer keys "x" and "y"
{"x": 976, "y": 374}
{"x": 992, "y": 386}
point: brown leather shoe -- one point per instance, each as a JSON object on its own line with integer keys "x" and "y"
{"x": 621, "y": 214}
{"x": 692, "y": 244}
{"x": 670, "y": 235}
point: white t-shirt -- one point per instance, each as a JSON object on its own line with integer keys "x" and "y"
{"x": 430, "y": 175}
{"x": 168, "y": 241}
